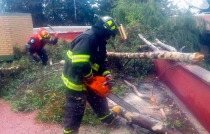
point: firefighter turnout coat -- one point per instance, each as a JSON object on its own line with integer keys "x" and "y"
{"x": 86, "y": 56}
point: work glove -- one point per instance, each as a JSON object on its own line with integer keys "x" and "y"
{"x": 110, "y": 80}
{"x": 108, "y": 77}
{"x": 28, "y": 46}
{"x": 34, "y": 58}
{"x": 54, "y": 41}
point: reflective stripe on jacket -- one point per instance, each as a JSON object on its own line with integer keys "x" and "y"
{"x": 87, "y": 55}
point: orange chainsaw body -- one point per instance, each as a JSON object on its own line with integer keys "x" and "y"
{"x": 98, "y": 85}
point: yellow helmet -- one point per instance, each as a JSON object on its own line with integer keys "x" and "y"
{"x": 43, "y": 33}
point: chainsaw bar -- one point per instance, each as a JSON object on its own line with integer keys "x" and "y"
{"x": 122, "y": 103}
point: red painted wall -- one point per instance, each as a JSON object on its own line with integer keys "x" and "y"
{"x": 65, "y": 32}
{"x": 69, "y": 36}
{"x": 204, "y": 16}
{"x": 191, "y": 89}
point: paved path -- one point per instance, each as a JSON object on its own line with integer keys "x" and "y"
{"x": 23, "y": 123}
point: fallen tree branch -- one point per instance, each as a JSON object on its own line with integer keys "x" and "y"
{"x": 170, "y": 48}
{"x": 150, "y": 45}
{"x": 173, "y": 56}
{"x": 145, "y": 122}
{"x": 151, "y": 98}
{"x": 9, "y": 68}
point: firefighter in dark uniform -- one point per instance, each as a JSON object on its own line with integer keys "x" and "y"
{"x": 35, "y": 45}
{"x": 87, "y": 57}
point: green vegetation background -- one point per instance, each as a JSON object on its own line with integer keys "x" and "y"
{"x": 32, "y": 87}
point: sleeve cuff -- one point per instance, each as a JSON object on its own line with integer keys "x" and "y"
{"x": 89, "y": 74}
{"x": 106, "y": 73}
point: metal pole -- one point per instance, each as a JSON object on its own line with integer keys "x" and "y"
{"x": 75, "y": 10}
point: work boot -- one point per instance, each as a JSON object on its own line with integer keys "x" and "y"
{"x": 70, "y": 131}
{"x": 115, "y": 112}
{"x": 116, "y": 109}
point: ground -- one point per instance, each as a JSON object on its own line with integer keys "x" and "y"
{"x": 25, "y": 123}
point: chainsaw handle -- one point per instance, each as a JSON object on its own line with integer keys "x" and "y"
{"x": 108, "y": 82}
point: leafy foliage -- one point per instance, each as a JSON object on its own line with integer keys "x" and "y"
{"x": 59, "y": 12}
{"x": 153, "y": 20}
{"x": 34, "y": 87}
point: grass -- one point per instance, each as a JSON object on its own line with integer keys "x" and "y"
{"x": 32, "y": 87}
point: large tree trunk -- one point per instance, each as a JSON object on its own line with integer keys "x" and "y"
{"x": 175, "y": 56}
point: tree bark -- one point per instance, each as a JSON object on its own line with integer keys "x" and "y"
{"x": 170, "y": 48}
{"x": 160, "y": 54}
{"x": 145, "y": 122}
{"x": 174, "y": 56}
{"x": 151, "y": 98}
{"x": 150, "y": 45}
{"x": 9, "y": 68}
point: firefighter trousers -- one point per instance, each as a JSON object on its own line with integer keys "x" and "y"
{"x": 75, "y": 107}
{"x": 42, "y": 54}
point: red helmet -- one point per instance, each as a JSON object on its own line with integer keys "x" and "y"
{"x": 43, "y": 33}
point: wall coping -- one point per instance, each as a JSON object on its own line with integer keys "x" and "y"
{"x": 14, "y": 14}
{"x": 198, "y": 71}
{"x": 64, "y": 29}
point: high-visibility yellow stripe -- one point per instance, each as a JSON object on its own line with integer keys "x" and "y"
{"x": 78, "y": 58}
{"x": 67, "y": 131}
{"x": 69, "y": 54}
{"x": 111, "y": 25}
{"x": 89, "y": 74}
{"x": 105, "y": 73}
{"x": 71, "y": 85}
{"x": 95, "y": 66}
{"x": 109, "y": 22}
{"x": 105, "y": 116}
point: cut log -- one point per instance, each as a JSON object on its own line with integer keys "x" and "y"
{"x": 170, "y": 48}
{"x": 145, "y": 122}
{"x": 173, "y": 56}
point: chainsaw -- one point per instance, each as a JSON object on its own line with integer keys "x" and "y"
{"x": 100, "y": 86}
